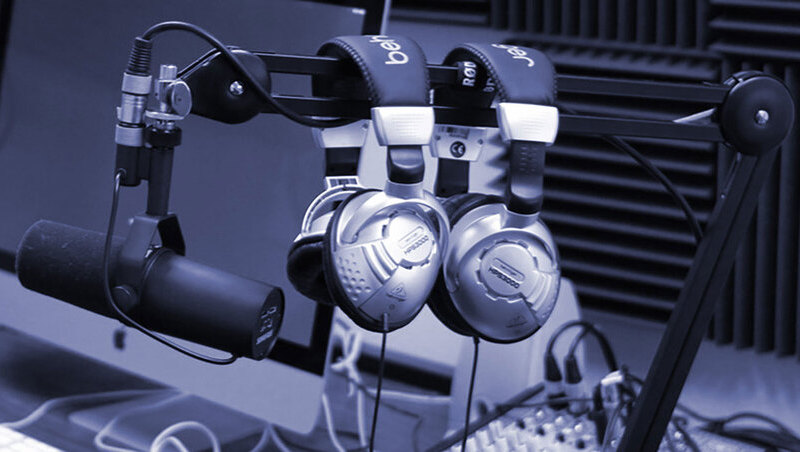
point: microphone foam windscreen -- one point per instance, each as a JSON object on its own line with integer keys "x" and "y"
{"x": 65, "y": 262}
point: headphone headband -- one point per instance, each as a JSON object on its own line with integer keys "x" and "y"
{"x": 393, "y": 68}
{"x": 393, "y": 71}
{"x": 524, "y": 85}
{"x": 519, "y": 74}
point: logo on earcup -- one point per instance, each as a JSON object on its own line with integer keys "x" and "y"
{"x": 506, "y": 273}
{"x": 413, "y": 240}
{"x": 416, "y": 244}
{"x": 399, "y": 292}
{"x": 504, "y": 278}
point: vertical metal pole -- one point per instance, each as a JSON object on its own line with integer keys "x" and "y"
{"x": 159, "y": 181}
{"x": 162, "y": 139}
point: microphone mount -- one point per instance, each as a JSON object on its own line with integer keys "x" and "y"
{"x": 156, "y": 228}
{"x": 751, "y": 113}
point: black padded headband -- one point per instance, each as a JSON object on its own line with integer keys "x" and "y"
{"x": 519, "y": 75}
{"x": 393, "y": 73}
{"x": 393, "y": 68}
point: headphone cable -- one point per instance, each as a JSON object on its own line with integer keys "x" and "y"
{"x": 381, "y": 363}
{"x": 475, "y": 341}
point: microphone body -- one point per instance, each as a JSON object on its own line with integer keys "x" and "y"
{"x": 177, "y": 296}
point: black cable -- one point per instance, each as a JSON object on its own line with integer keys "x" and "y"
{"x": 367, "y": 391}
{"x": 475, "y": 341}
{"x": 562, "y": 329}
{"x": 573, "y": 346}
{"x": 656, "y": 173}
{"x": 720, "y": 422}
{"x": 771, "y": 440}
{"x": 602, "y": 340}
{"x": 692, "y": 413}
{"x": 760, "y": 417}
{"x": 552, "y": 372}
{"x": 381, "y": 363}
{"x": 234, "y": 61}
{"x": 781, "y": 438}
{"x": 112, "y": 218}
{"x": 588, "y": 328}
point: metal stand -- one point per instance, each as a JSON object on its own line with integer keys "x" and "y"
{"x": 752, "y": 114}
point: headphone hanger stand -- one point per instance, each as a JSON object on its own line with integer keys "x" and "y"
{"x": 740, "y": 118}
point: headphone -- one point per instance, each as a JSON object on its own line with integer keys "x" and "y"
{"x": 374, "y": 253}
{"x": 500, "y": 276}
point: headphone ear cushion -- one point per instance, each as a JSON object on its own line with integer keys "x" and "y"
{"x": 441, "y": 305}
{"x": 459, "y": 205}
{"x": 440, "y": 302}
{"x": 305, "y": 271}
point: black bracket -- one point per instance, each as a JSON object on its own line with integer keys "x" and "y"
{"x": 147, "y": 234}
{"x": 217, "y": 95}
{"x": 753, "y": 114}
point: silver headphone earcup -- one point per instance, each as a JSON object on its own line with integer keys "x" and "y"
{"x": 503, "y": 280}
{"x": 382, "y": 256}
{"x": 440, "y": 301}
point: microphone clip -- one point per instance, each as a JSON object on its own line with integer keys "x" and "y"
{"x": 147, "y": 234}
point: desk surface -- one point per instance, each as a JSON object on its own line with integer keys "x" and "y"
{"x": 33, "y": 371}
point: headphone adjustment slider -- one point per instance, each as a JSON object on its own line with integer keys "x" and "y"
{"x": 527, "y": 122}
{"x": 403, "y": 126}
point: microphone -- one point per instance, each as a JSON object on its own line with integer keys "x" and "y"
{"x": 178, "y": 296}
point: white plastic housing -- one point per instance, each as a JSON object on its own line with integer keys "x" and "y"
{"x": 527, "y": 122}
{"x": 403, "y": 126}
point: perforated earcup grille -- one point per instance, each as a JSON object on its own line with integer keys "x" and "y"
{"x": 390, "y": 244}
{"x": 335, "y": 288}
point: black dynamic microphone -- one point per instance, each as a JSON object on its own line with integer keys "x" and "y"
{"x": 179, "y": 297}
